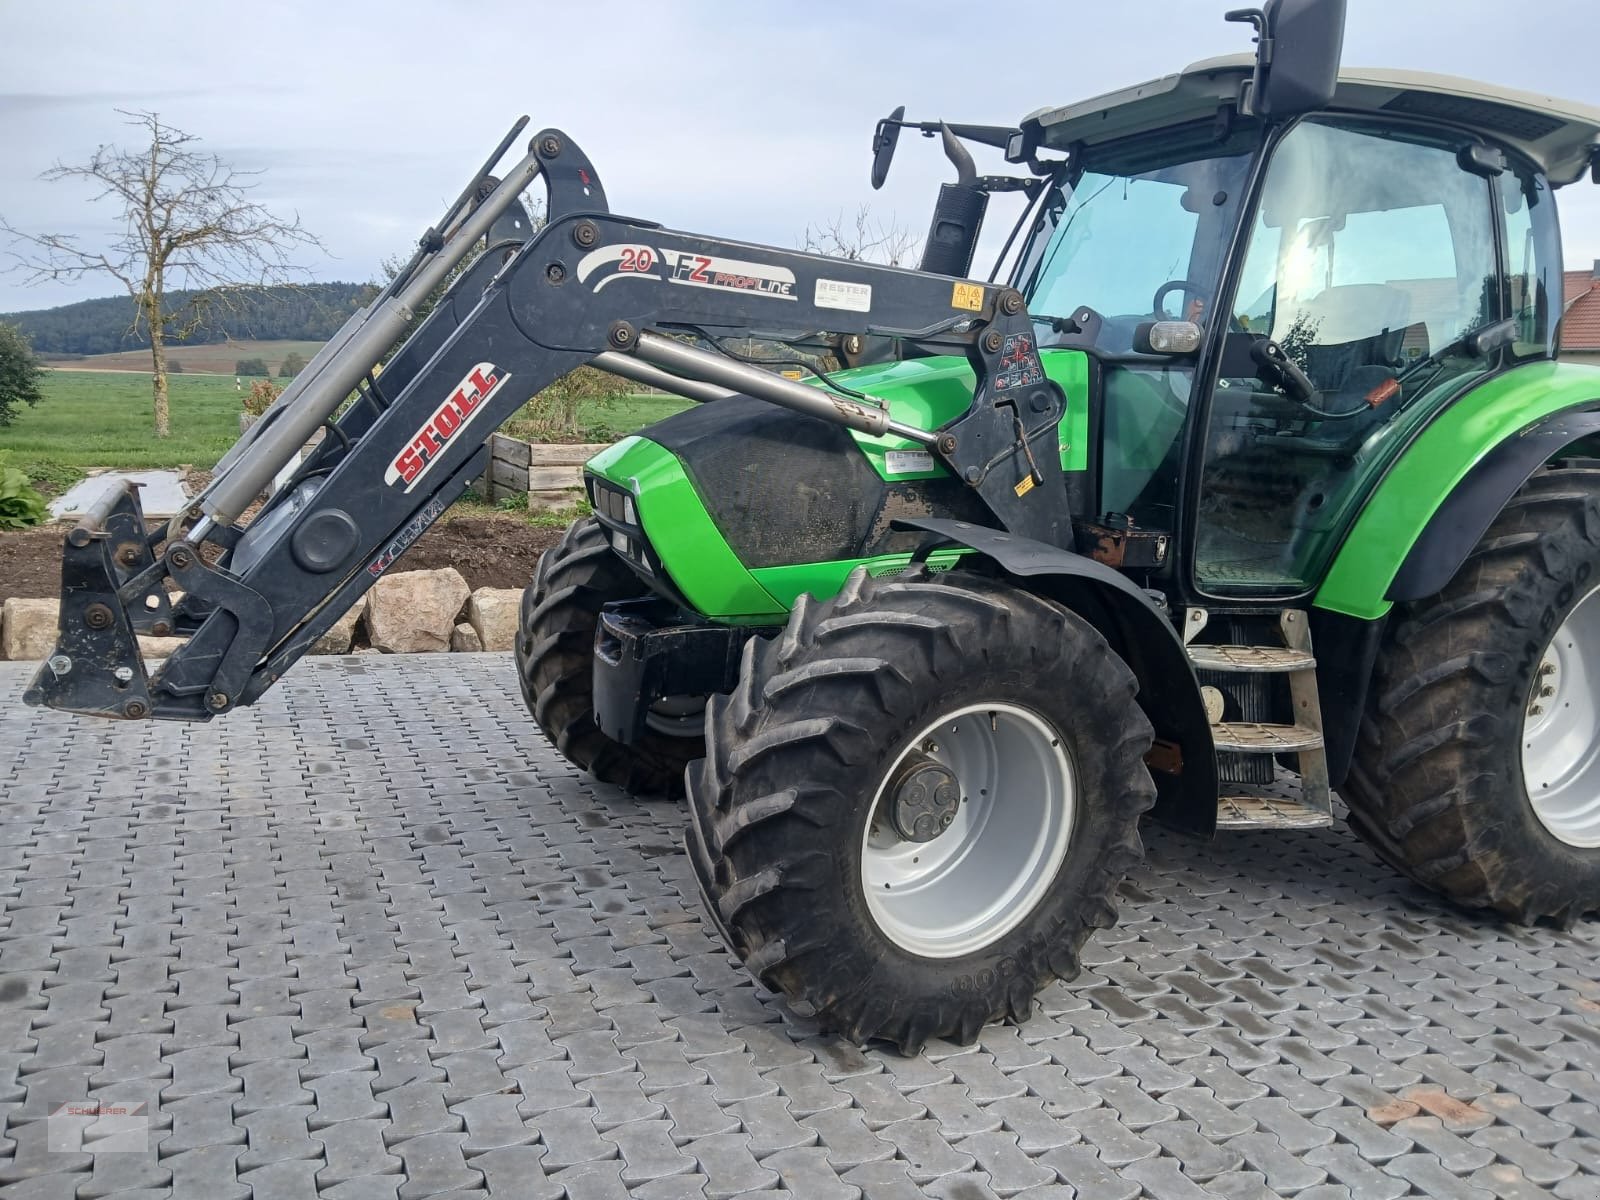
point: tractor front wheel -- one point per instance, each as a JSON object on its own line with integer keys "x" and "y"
{"x": 918, "y": 803}
{"x": 555, "y": 668}
{"x": 1478, "y": 770}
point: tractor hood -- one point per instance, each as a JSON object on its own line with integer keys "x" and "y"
{"x": 736, "y": 506}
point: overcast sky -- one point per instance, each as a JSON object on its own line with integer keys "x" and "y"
{"x": 743, "y": 120}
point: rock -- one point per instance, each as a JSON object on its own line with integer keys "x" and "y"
{"x": 415, "y": 611}
{"x": 337, "y": 640}
{"x": 493, "y": 612}
{"x": 465, "y": 640}
{"x": 158, "y": 647}
{"x": 28, "y": 628}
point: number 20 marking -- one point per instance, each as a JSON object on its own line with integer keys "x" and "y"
{"x": 636, "y": 259}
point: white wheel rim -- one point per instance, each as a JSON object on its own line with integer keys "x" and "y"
{"x": 1560, "y": 733}
{"x": 985, "y": 873}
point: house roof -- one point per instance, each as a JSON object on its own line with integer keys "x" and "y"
{"x": 1580, "y": 322}
{"x": 1558, "y": 134}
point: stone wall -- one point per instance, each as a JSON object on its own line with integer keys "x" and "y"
{"x": 404, "y": 613}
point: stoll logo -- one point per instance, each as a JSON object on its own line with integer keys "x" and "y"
{"x": 449, "y": 419}
{"x": 97, "y": 1127}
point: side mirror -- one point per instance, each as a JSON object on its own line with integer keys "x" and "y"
{"x": 1298, "y": 46}
{"x": 884, "y": 140}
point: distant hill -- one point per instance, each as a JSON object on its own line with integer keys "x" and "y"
{"x": 312, "y": 312}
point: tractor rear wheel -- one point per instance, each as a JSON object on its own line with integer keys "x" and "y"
{"x": 918, "y": 803}
{"x": 554, "y": 653}
{"x": 1478, "y": 769}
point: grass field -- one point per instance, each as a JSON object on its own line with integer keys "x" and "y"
{"x": 102, "y": 419}
{"x": 216, "y": 359}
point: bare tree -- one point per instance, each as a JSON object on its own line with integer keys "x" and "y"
{"x": 188, "y": 224}
{"x": 865, "y": 239}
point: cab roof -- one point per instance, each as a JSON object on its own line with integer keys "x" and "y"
{"x": 1559, "y": 135}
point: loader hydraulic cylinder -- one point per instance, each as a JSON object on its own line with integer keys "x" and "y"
{"x": 278, "y": 444}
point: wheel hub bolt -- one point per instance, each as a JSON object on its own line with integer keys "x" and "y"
{"x": 923, "y": 800}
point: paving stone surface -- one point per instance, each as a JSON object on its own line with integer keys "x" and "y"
{"x": 374, "y": 938}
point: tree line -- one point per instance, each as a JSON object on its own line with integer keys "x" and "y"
{"x": 311, "y": 312}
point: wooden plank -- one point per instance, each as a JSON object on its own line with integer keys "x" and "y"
{"x": 544, "y": 479}
{"x": 507, "y": 449}
{"x": 505, "y": 475}
{"x": 553, "y": 454}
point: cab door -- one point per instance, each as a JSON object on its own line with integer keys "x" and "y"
{"x": 1370, "y": 254}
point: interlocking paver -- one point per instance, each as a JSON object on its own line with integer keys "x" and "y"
{"x": 729, "y": 1167}
{"x": 1082, "y": 1169}
{"x": 352, "y": 1149}
{"x": 1286, "y": 1170}
{"x": 434, "y": 1164}
{"x": 1430, "y": 1178}
{"x": 321, "y": 972}
{"x": 517, "y": 1171}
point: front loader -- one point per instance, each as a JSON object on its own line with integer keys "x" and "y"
{"x": 1252, "y": 477}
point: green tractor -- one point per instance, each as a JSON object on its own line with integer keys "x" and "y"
{"x": 1249, "y": 475}
{"x": 1334, "y": 520}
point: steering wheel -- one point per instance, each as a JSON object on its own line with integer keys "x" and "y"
{"x": 1186, "y": 286}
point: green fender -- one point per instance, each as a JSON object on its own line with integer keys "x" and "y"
{"x": 1442, "y": 457}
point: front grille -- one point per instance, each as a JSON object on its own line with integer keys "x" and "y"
{"x": 614, "y": 508}
{"x": 617, "y": 511}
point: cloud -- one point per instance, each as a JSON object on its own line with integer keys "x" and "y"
{"x": 748, "y": 121}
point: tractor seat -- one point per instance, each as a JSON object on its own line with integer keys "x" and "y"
{"x": 1350, "y": 327}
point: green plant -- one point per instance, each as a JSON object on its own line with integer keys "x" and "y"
{"x": 553, "y": 415}
{"x": 260, "y": 397}
{"x": 292, "y": 365}
{"x": 21, "y": 373}
{"x": 251, "y": 366}
{"x": 21, "y": 505}
{"x": 560, "y": 518}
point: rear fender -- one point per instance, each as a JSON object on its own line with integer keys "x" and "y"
{"x": 1460, "y": 522}
{"x": 1435, "y": 501}
{"x": 1183, "y": 764}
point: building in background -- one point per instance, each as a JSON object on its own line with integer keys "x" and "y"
{"x": 1580, "y": 320}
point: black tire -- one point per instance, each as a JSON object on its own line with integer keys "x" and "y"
{"x": 554, "y": 653}
{"x": 1437, "y": 784}
{"x": 796, "y": 754}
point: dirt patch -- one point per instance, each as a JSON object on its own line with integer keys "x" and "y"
{"x": 488, "y": 550}
{"x": 30, "y": 562}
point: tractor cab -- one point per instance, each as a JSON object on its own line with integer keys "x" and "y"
{"x": 1277, "y": 304}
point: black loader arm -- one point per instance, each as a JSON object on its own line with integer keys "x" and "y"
{"x": 589, "y": 287}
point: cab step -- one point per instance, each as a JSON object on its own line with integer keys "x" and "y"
{"x": 1269, "y": 812}
{"x": 1297, "y": 732}
{"x": 1251, "y": 737}
{"x": 1250, "y": 658}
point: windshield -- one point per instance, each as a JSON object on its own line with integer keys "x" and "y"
{"x": 1140, "y": 235}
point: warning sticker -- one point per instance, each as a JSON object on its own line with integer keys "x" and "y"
{"x": 968, "y": 296}
{"x": 1026, "y": 486}
{"x": 1019, "y": 365}
{"x": 852, "y": 297}
{"x": 907, "y": 462}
